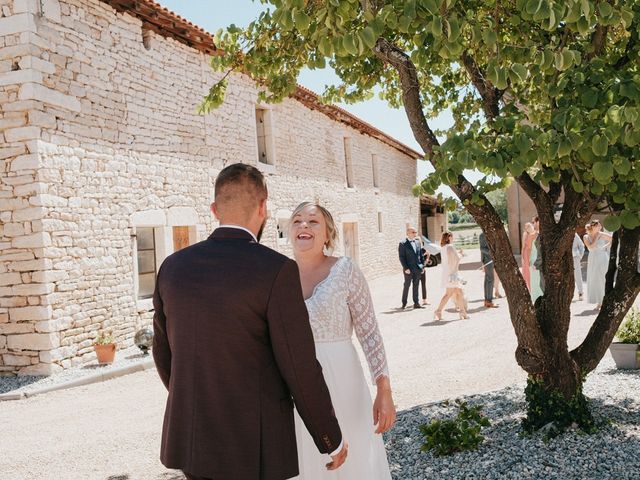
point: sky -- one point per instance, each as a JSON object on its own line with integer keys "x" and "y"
{"x": 214, "y": 14}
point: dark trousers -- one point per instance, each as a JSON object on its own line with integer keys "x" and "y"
{"x": 489, "y": 279}
{"x": 423, "y": 284}
{"x": 411, "y": 278}
{"x": 193, "y": 477}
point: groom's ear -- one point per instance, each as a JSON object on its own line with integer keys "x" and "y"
{"x": 214, "y": 210}
{"x": 263, "y": 208}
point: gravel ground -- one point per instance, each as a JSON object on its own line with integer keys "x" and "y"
{"x": 613, "y": 453}
{"x": 29, "y": 383}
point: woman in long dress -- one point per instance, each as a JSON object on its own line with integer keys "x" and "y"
{"x": 598, "y": 243}
{"x": 527, "y": 243}
{"x": 339, "y": 302}
{"x": 534, "y": 273}
{"x": 450, "y": 279}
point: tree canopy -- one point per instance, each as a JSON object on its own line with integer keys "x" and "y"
{"x": 544, "y": 92}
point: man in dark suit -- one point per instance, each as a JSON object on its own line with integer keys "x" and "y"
{"x": 412, "y": 260}
{"x": 233, "y": 345}
{"x": 489, "y": 274}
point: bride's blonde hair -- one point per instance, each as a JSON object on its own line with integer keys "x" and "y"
{"x": 332, "y": 231}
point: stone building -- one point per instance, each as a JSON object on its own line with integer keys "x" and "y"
{"x": 107, "y": 169}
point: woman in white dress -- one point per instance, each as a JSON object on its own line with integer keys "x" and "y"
{"x": 450, "y": 279}
{"x": 598, "y": 243}
{"x": 339, "y": 302}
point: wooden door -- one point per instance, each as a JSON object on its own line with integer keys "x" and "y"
{"x": 351, "y": 240}
{"x": 180, "y": 238}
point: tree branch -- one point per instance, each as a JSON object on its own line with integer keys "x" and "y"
{"x": 523, "y": 316}
{"x": 626, "y": 57}
{"x": 598, "y": 41}
{"x": 489, "y": 94}
{"x": 408, "y": 74}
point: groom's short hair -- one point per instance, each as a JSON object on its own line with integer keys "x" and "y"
{"x": 240, "y": 185}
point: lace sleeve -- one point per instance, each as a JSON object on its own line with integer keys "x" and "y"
{"x": 365, "y": 323}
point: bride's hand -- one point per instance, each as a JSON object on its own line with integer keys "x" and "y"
{"x": 384, "y": 411}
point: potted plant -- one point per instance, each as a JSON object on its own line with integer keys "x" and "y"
{"x": 625, "y": 351}
{"x": 105, "y": 348}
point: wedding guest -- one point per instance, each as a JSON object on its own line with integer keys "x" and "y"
{"x": 488, "y": 267}
{"x": 496, "y": 286}
{"x": 451, "y": 281}
{"x": 577, "y": 251}
{"x": 528, "y": 237}
{"x": 423, "y": 276}
{"x": 339, "y": 303}
{"x": 409, "y": 252}
{"x": 537, "y": 279}
{"x": 598, "y": 243}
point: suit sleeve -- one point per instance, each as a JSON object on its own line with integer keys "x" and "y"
{"x": 295, "y": 354}
{"x": 161, "y": 349}
{"x": 401, "y": 254}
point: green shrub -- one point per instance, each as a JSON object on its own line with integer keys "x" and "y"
{"x": 462, "y": 433}
{"x": 629, "y": 331}
{"x": 551, "y": 413}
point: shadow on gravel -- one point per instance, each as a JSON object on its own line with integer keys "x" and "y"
{"x": 164, "y": 476}
{"x": 171, "y": 476}
{"x": 95, "y": 366}
{"x": 9, "y": 384}
{"x": 137, "y": 355}
{"x": 470, "y": 266}
{"x": 393, "y": 311}
{"x": 587, "y": 313}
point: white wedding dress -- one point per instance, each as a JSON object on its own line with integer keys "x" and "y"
{"x": 340, "y": 304}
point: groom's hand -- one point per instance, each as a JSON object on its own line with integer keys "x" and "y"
{"x": 339, "y": 458}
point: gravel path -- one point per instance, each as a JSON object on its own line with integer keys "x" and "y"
{"x": 613, "y": 453}
{"x": 111, "y": 430}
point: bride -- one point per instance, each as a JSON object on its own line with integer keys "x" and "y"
{"x": 338, "y": 300}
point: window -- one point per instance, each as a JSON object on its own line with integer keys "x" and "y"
{"x": 379, "y": 222}
{"x": 374, "y": 169}
{"x": 348, "y": 162}
{"x": 147, "y": 38}
{"x": 146, "y": 253}
{"x": 264, "y": 137}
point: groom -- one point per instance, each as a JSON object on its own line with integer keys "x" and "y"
{"x": 233, "y": 344}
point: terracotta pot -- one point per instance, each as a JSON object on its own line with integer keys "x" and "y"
{"x": 105, "y": 353}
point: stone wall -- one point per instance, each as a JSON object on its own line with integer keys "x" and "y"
{"x": 101, "y": 138}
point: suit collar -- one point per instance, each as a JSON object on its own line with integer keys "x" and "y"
{"x": 229, "y": 232}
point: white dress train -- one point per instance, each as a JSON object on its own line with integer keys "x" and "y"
{"x": 340, "y": 304}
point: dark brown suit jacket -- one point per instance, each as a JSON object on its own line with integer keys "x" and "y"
{"x": 232, "y": 345}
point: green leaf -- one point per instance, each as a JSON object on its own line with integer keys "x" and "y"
{"x": 629, "y": 220}
{"x": 600, "y": 145}
{"x": 583, "y": 26}
{"x": 577, "y": 186}
{"x": 520, "y": 70}
{"x": 349, "y": 44}
{"x": 302, "y": 21}
{"x": 602, "y": 172}
{"x": 605, "y": 9}
{"x": 368, "y": 37}
{"x": 612, "y": 223}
